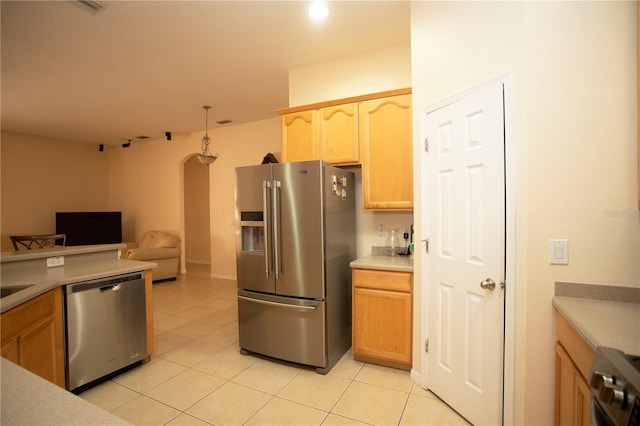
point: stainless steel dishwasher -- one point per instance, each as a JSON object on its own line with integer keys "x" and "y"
{"x": 106, "y": 327}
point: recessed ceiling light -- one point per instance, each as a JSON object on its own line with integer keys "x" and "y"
{"x": 318, "y": 11}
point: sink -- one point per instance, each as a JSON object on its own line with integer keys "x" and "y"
{"x": 8, "y": 290}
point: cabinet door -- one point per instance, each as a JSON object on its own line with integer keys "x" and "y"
{"x": 582, "y": 406}
{"x": 32, "y": 336}
{"x": 565, "y": 389}
{"x": 299, "y": 137}
{"x": 573, "y": 395}
{"x": 338, "y": 134}
{"x": 10, "y": 350}
{"x": 37, "y": 347}
{"x": 382, "y": 325}
{"x": 387, "y": 160}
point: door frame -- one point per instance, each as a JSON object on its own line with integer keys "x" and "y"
{"x": 506, "y": 79}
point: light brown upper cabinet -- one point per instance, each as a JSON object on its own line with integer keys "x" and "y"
{"x": 387, "y": 160}
{"x": 338, "y": 130}
{"x": 329, "y": 134}
{"x": 299, "y": 136}
{"x": 370, "y": 130}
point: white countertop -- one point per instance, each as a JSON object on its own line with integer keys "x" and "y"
{"x": 384, "y": 263}
{"x": 28, "y": 399}
{"x": 602, "y": 322}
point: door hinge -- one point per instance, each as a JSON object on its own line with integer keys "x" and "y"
{"x": 426, "y": 345}
{"x": 426, "y": 145}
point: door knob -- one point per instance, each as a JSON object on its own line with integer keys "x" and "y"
{"x": 488, "y": 284}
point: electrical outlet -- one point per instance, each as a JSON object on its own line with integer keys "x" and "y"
{"x": 381, "y": 230}
{"x": 55, "y": 261}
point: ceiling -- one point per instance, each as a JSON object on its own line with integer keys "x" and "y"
{"x": 142, "y": 68}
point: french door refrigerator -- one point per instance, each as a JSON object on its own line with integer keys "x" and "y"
{"x": 295, "y": 238}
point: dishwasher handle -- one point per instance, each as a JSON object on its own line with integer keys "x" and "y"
{"x": 104, "y": 284}
{"x": 111, "y": 288}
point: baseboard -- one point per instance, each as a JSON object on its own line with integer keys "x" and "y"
{"x": 198, "y": 262}
{"x": 416, "y": 378}
{"x": 224, "y": 277}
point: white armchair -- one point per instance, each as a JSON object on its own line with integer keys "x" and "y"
{"x": 161, "y": 248}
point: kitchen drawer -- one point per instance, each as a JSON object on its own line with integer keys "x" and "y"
{"x": 386, "y": 280}
{"x": 283, "y": 327}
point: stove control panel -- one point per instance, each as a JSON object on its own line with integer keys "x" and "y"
{"x": 615, "y": 388}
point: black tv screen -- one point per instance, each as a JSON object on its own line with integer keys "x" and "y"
{"x": 86, "y": 228}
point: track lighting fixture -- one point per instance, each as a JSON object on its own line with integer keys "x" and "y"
{"x": 128, "y": 144}
{"x": 101, "y": 148}
{"x": 167, "y": 135}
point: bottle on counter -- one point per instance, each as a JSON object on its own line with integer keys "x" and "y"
{"x": 392, "y": 243}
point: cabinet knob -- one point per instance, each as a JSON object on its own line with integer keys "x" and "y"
{"x": 598, "y": 379}
{"x": 612, "y": 394}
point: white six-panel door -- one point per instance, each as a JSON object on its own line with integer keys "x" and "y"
{"x": 466, "y": 228}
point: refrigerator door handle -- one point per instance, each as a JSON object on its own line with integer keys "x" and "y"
{"x": 266, "y": 186}
{"x": 280, "y": 305}
{"x": 276, "y": 229}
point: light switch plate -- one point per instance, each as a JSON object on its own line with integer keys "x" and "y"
{"x": 559, "y": 252}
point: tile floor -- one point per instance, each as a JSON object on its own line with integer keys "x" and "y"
{"x": 198, "y": 377}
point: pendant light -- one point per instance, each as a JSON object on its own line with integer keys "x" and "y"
{"x": 206, "y": 157}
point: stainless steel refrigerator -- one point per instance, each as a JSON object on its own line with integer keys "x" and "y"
{"x": 295, "y": 238}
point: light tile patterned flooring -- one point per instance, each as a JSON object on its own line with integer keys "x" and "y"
{"x": 198, "y": 377}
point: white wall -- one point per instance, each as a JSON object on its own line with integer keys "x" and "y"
{"x": 41, "y": 176}
{"x": 575, "y": 137}
{"x": 370, "y": 72}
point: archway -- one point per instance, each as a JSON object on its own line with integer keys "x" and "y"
{"x": 197, "y": 235}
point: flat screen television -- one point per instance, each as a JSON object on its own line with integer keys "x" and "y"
{"x": 86, "y": 228}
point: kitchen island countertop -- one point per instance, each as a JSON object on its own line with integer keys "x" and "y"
{"x": 384, "y": 263}
{"x": 28, "y": 399}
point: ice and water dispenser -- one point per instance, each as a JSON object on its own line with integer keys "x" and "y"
{"x": 252, "y": 226}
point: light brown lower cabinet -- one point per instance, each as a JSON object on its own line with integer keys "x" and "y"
{"x": 32, "y": 336}
{"x": 382, "y": 317}
{"x": 573, "y": 361}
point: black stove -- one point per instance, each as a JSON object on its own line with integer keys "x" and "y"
{"x": 615, "y": 388}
